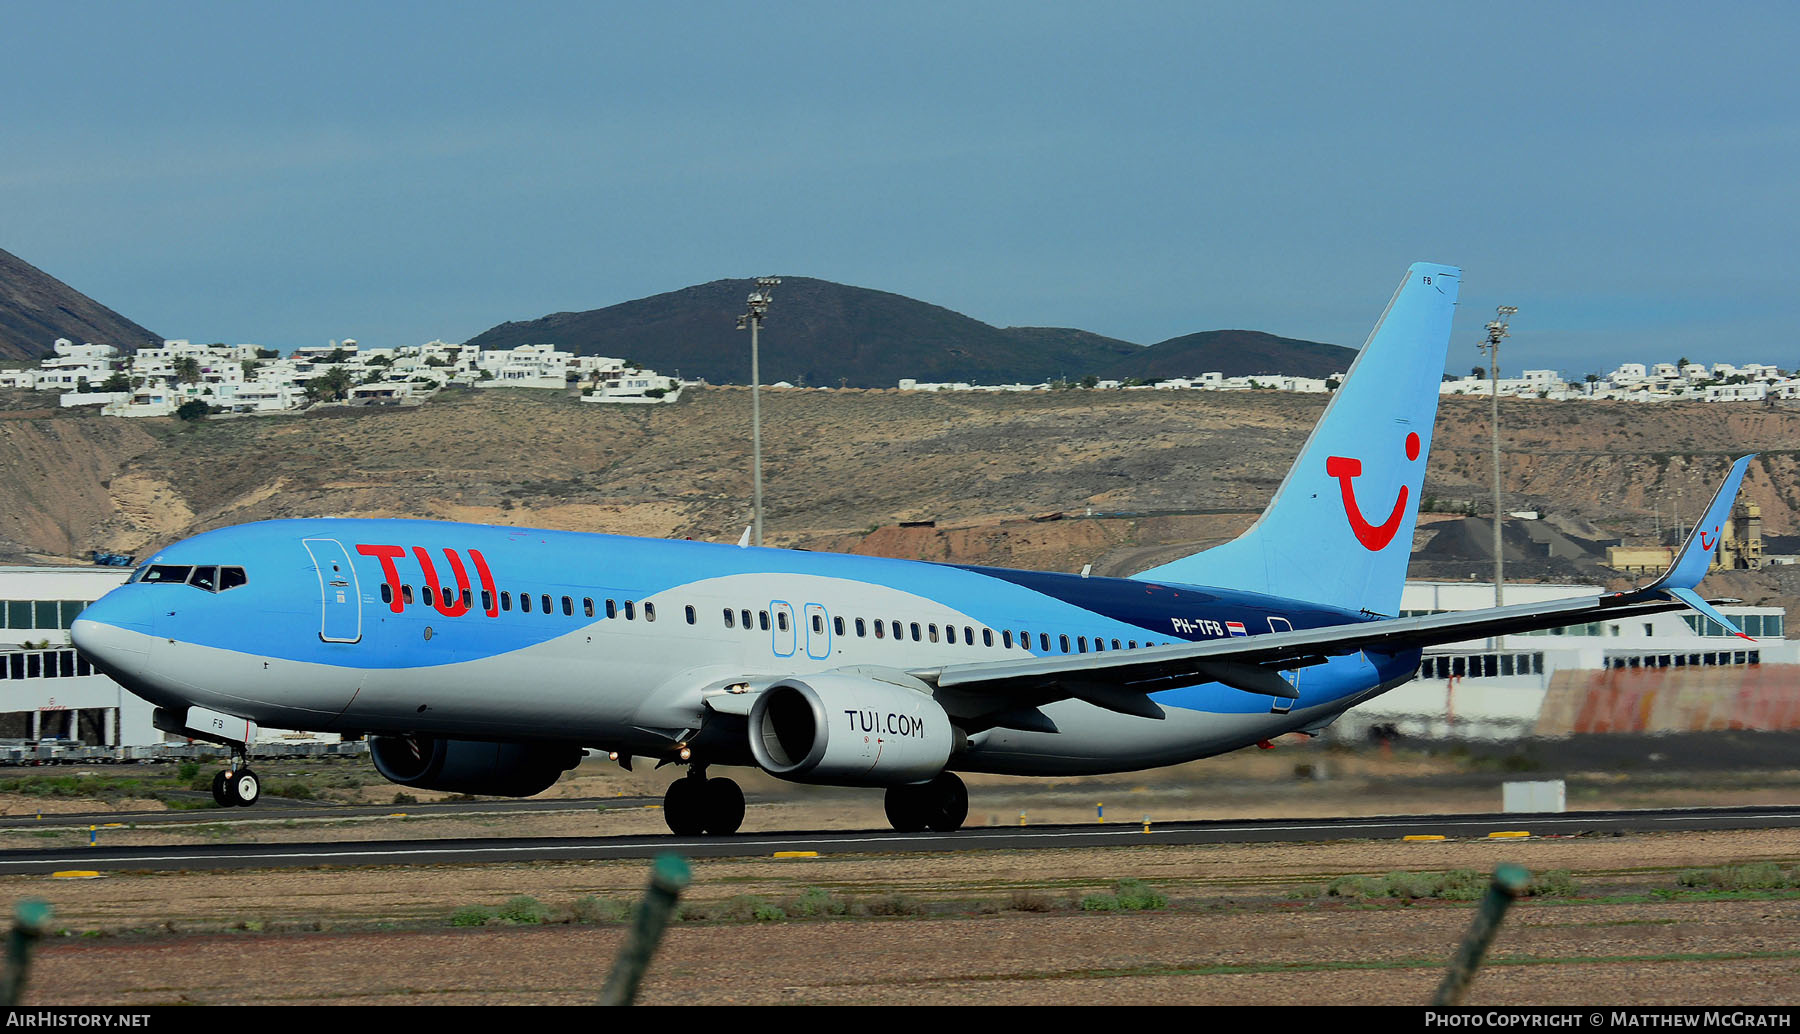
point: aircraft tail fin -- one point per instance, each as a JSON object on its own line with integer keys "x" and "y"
{"x": 1339, "y": 530}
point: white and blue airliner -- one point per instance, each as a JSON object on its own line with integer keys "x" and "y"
{"x": 486, "y": 660}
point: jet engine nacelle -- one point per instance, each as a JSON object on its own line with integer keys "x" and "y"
{"x": 851, "y": 731}
{"x": 471, "y": 766}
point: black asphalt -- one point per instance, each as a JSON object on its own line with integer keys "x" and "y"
{"x": 864, "y": 842}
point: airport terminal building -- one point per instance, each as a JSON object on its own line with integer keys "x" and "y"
{"x": 49, "y": 692}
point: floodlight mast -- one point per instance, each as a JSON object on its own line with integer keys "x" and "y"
{"x": 752, "y": 318}
{"x": 1496, "y": 330}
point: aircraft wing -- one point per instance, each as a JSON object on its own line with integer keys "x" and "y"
{"x": 1121, "y": 680}
{"x": 1005, "y": 692}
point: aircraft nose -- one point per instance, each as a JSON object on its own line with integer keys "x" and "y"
{"x": 112, "y": 637}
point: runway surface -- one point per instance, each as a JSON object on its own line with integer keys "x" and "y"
{"x": 980, "y": 838}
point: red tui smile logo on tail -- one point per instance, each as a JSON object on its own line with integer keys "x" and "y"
{"x": 1374, "y": 537}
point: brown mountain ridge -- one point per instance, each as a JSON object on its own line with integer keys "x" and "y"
{"x": 36, "y": 309}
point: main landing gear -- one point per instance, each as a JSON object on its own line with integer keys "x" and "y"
{"x": 940, "y": 805}
{"x": 695, "y": 804}
{"x": 237, "y": 786}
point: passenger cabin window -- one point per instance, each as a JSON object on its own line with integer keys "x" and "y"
{"x": 690, "y": 615}
{"x": 1006, "y": 638}
{"x": 762, "y": 619}
{"x": 915, "y": 632}
{"x": 649, "y": 612}
{"x": 545, "y": 600}
{"x": 587, "y": 606}
{"x": 487, "y": 600}
{"x": 524, "y": 603}
{"x": 987, "y": 637}
{"x": 468, "y": 599}
{"x": 878, "y": 632}
{"x": 447, "y": 595}
{"x": 612, "y": 610}
{"x": 969, "y": 636}
{"x": 730, "y": 621}
{"x": 837, "y": 625}
{"x": 506, "y": 601}
{"x": 387, "y": 593}
{"x": 406, "y": 594}
{"x": 746, "y": 615}
{"x": 630, "y": 611}
{"x": 781, "y": 620}
{"x": 568, "y": 607}
{"x": 818, "y": 624}
{"x": 862, "y": 630}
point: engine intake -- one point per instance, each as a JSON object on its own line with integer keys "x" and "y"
{"x": 472, "y": 766}
{"x": 850, "y": 731}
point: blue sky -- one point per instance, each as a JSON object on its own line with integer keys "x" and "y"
{"x": 395, "y": 172}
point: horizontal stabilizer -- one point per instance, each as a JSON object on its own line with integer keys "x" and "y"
{"x": 1692, "y": 599}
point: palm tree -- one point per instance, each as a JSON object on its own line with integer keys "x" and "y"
{"x": 331, "y": 385}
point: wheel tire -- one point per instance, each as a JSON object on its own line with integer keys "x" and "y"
{"x": 724, "y": 806}
{"x": 245, "y": 789}
{"x": 220, "y": 796}
{"x": 905, "y": 808}
{"x": 948, "y": 803}
{"x": 684, "y": 807}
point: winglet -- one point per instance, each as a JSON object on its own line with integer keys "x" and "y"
{"x": 1695, "y": 556}
{"x": 744, "y": 539}
{"x": 1696, "y": 553}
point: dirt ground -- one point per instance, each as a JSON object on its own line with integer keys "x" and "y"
{"x": 1243, "y": 924}
{"x": 1246, "y": 924}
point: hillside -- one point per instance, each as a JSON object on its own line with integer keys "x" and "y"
{"x": 36, "y": 309}
{"x": 1235, "y": 353}
{"x": 842, "y": 467}
{"x": 817, "y": 333}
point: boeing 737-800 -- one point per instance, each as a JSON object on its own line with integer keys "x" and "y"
{"x": 486, "y": 659}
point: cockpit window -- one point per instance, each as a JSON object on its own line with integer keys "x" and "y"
{"x": 205, "y": 576}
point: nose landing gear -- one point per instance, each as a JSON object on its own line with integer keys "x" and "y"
{"x": 237, "y": 786}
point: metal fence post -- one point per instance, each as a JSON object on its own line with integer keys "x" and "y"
{"x": 30, "y": 920}
{"x": 1510, "y": 881}
{"x": 669, "y": 876}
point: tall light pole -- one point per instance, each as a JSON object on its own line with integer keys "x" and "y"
{"x": 752, "y": 318}
{"x": 1496, "y": 330}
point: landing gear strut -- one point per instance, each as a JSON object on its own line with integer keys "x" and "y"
{"x": 237, "y": 786}
{"x": 940, "y": 805}
{"x": 695, "y": 804}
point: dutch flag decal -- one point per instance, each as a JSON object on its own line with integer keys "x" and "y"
{"x": 1236, "y": 628}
